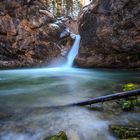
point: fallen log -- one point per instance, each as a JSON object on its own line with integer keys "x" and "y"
{"x": 102, "y": 99}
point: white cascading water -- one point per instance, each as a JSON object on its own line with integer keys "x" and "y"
{"x": 73, "y": 52}
{"x": 59, "y": 64}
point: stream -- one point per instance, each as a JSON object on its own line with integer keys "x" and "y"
{"x": 30, "y": 100}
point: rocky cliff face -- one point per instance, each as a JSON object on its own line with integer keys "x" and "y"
{"x": 29, "y": 35}
{"x": 110, "y": 34}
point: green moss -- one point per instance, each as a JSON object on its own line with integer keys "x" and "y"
{"x": 116, "y": 129}
{"x": 129, "y": 86}
{"x": 131, "y": 139}
{"x": 127, "y": 105}
{"x": 125, "y": 132}
{"x": 60, "y": 136}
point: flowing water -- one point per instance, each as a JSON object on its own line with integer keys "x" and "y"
{"x": 73, "y": 52}
{"x": 31, "y": 99}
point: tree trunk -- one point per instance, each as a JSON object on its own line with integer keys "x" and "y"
{"x": 69, "y": 7}
{"x": 115, "y": 96}
{"x": 59, "y": 6}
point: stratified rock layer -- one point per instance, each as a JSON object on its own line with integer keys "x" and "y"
{"x": 110, "y": 34}
{"x": 28, "y": 35}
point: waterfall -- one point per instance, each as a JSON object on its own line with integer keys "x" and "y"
{"x": 60, "y": 64}
{"x": 73, "y": 52}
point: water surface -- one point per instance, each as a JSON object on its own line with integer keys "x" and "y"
{"x": 32, "y": 95}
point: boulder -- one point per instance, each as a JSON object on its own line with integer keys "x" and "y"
{"x": 110, "y": 34}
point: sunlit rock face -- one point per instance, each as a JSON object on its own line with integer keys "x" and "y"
{"x": 29, "y": 35}
{"x": 110, "y": 34}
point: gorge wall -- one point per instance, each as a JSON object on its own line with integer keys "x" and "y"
{"x": 110, "y": 34}
{"x": 28, "y": 35}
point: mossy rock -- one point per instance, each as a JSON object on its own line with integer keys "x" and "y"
{"x": 125, "y": 132}
{"x": 60, "y": 136}
{"x": 131, "y": 139}
{"x": 127, "y": 105}
{"x": 129, "y": 86}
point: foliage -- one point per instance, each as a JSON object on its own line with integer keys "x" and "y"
{"x": 63, "y": 7}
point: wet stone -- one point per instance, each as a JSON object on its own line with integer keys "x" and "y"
{"x": 59, "y": 136}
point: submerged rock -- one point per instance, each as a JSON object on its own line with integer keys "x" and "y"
{"x": 110, "y": 34}
{"x": 27, "y": 35}
{"x": 60, "y": 136}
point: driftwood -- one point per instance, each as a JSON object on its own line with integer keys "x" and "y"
{"x": 101, "y": 99}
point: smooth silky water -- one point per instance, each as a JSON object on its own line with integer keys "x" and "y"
{"x": 33, "y": 95}
{"x": 34, "y": 99}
